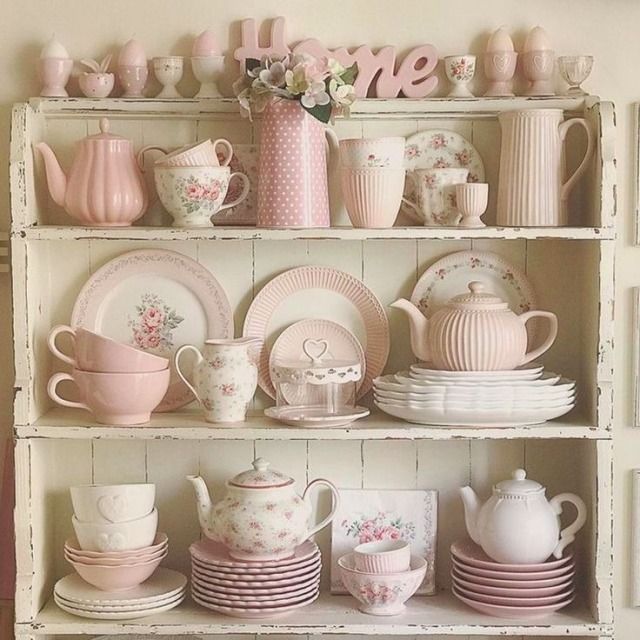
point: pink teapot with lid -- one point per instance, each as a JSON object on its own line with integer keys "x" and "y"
{"x": 475, "y": 331}
{"x": 261, "y": 517}
{"x": 104, "y": 186}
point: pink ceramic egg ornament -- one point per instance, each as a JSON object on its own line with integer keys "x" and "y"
{"x": 248, "y": 529}
{"x": 538, "y": 63}
{"x": 500, "y": 64}
{"x": 54, "y": 69}
{"x": 104, "y": 187}
{"x": 132, "y": 69}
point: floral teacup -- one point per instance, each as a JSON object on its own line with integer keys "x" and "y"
{"x": 193, "y": 194}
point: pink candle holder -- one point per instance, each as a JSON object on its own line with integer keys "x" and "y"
{"x": 538, "y": 70}
{"x": 499, "y": 68}
{"x": 54, "y": 74}
{"x": 133, "y": 79}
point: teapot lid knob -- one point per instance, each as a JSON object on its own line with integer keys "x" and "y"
{"x": 476, "y": 287}
{"x": 519, "y": 474}
{"x": 104, "y": 125}
{"x": 260, "y": 464}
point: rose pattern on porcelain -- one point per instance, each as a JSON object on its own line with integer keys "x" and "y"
{"x": 153, "y": 325}
{"x": 462, "y": 68}
{"x": 261, "y": 517}
{"x": 225, "y": 378}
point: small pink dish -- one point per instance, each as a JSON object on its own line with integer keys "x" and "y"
{"x": 120, "y": 578}
{"x": 515, "y": 575}
{"x": 383, "y": 556}
{"x": 511, "y": 592}
{"x": 517, "y": 601}
{"x": 113, "y": 562}
{"x": 96, "y": 353}
{"x": 510, "y": 583}
{"x": 382, "y": 594}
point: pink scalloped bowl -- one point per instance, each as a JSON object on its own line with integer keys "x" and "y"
{"x": 160, "y": 542}
{"x": 119, "y": 578}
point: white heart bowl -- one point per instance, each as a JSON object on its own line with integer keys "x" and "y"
{"x": 108, "y": 503}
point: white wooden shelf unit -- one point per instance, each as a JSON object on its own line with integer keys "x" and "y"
{"x": 571, "y": 269}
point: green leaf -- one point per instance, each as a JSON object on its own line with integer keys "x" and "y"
{"x": 350, "y": 74}
{"x": 251, "y": 63}
{"x": 320, "y": 112}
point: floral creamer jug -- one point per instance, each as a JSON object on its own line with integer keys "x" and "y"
{"x": 224, "y": 378}
{"x": 261, "y": 517}
{"x": 518, "y": 525}
{"x": 104, "y": 186}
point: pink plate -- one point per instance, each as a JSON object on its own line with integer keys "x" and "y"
{"x": 212, "y": 553}
{"x": 254, "y": 593}
{"x": 290, "y": 282}
{"x": 243, "y": 612}
{"x": 503, "y": 611}
{"x": 518, "y": 601}
{"x": 343, "y": 345}
{"x": 255, "y": 574}
{"x": 511, "y": 584}
{"x": 526, "y": 592}
{"x": 219, "y": 597}
{"x": 249, "y": 581}
{"x": 183, "y": 299}
{"x": 515, "y": 575}
{"x": 471, "y": 554}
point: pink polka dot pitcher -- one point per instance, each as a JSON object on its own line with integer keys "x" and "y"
{"x": 292, "y": 185}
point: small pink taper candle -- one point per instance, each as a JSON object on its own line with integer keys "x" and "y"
{"x": 500, "y": 40}
{"x": 537, "y": 40}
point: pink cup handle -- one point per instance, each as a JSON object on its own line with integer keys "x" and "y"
{"x": 228, "y": 150}
{"x": 176, "y": 360}
{"x": 51, "y": 341}
{"x": 334, "y": 507}
{"x": 54, "y": 381}
{"x": 245, "y": 190}
{"x": 151, "y": 147}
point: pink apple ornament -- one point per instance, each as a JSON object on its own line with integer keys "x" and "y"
{"x": 132, "y": 69}
{"x": 538, "y": 62}
{"x": 54, "y": 69}
{"x": 99, "y": 82}
{"x": 500, "y": 64}
{"x": 207, "y": 65}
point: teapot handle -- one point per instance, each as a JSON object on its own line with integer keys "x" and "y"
{"x": 176, "y": 360}
{"x": 553, "y": 333}
{"x": 335, "y": 504}
{"x": 568, "y": 535}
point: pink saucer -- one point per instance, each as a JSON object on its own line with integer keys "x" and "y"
{"x": 249, "y": 573}
{"x": 511, "y": 584}
{"x": 252, "y": 584}
{"x": 213, "y": 553}
{"x": 244, "y": 612}
{"x": 526, "y": 592}
{"x": 515, "y": 575}
{"x": 518, "y": 613}
{"x": 250, "y": 602}
{"x": 517, "y": 601}
{"x": 257, "y": 591}
{"x": 471, "y": 554}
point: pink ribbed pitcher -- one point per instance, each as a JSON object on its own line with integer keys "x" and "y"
{"x": 292, "y": 185}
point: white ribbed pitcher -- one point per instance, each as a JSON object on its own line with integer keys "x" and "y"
{"x": 531, "y": 191}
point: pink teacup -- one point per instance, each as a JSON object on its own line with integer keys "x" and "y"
{"x": 199, "y": 154}
{"x": 100, "y": 354}
{"x": 114, "y": 398}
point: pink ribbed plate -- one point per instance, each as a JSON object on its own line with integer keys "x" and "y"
{"x": 510, "y": 583}
{"x": 273, "y": 294}
{"x": 512, "y": 592}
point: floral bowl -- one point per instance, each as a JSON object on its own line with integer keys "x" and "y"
{"x": 382, "y": 594}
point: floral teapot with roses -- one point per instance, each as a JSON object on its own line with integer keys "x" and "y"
{"x": 261, "y": 517}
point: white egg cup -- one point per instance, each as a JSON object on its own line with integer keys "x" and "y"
{"x": 207, "y": 70}
{"x": 168, "y": 71}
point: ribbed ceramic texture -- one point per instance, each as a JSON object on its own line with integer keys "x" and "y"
{"x": 373, "y": 315}
{"x": 477, "y": 340}
{"x": 292, "y": 186}
{"x": 372, "y": 196}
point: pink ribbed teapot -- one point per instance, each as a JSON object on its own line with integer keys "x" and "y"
{"x": 475, "y": 331}
{"x": 104, "y": 186}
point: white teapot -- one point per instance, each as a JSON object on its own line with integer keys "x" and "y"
{"x": 261, "y": 517}
{"x": 518, "y": 525}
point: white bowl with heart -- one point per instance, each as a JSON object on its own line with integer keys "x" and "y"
{"x": 112, "y": 503}
{"x": 116, "y": 536}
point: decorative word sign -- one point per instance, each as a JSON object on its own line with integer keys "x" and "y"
{"x": 413, "y": 77}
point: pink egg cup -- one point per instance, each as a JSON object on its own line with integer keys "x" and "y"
{"x": 538, "y": 70}
{"x": 54, "y": 74}
{"x": 499, "y": 68}
{"x": 133, "y": 79}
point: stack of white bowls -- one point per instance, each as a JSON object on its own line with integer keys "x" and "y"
{"x": 372, "y": 174}
{"x": 118, "y": 546}
{"x": 382, "y": 575}
{"x": 527, "y": 395}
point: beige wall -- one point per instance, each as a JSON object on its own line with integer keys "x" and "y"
{"x": 608, "y": 29}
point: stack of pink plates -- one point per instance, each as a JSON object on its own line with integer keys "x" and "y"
{"x": 510, "y": 590}
{"x": 254, "y": 589}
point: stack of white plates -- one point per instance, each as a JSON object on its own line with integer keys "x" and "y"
{"x": 527, "y": 395}
{"x": 164, "y": 590}
{"x": 254, "y": 589}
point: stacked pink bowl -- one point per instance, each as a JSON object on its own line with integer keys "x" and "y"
{"x": 372, "y": 175}
{"x": 118, "y": 546}
{"x": 382, "y": 576}
{"x": 510, "y": 590}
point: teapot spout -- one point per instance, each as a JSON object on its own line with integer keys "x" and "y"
{"x": 418, "y": 326}
{"x": 471, "y": 511}
{"x": 56, "y": 178}
{"x": 205, "y": 507}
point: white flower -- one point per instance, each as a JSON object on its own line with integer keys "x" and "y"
{"x": 315, "y": 95}
{"x": 342, "y": 94}
{"x": 273, "y": 76}
{"x": 335, "y": 68}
